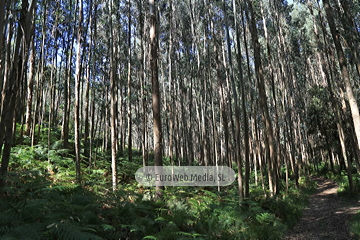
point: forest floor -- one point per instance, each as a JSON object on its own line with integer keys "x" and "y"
{"x": 327, "y": 215}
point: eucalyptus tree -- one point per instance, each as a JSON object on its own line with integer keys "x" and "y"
{"x": 14, "y": 81}
{"x": 68, "y": 42}
{"x": 142, "y": 75}
{"x": 113, "y": 99}
{"x": 236, "y": 105}
{"x": 344, "y": 70}
{"x": 156, "y": 106}
{"x": 269, "y": 137}
{"x": 77, "y": 90}
{"x": 129, "y": 86}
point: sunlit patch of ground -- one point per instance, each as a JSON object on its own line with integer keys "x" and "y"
{"x": 327, "y": 216}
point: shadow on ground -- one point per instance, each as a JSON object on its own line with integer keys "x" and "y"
{"x": 327, "y": 216}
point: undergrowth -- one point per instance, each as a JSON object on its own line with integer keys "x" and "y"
{"x": 43, "y": 201}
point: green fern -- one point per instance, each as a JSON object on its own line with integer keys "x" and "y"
{"x": 151, "y": 237}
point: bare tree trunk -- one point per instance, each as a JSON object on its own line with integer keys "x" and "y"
{"x": 155, "y": 92}
{"x": 67, "y": 89}
{"x": 243, "y": 100}
{"x": 272, "y": 82}
{"x": 351, "y": 32}
{"x": 30, "y": 89}
{"x": 77, "y": 93}
{"x": 143, "y": 85}
{"x": 344, "y": 71}
{"x": 334, "y": 104}
{"x": 87, "y": 109}
{"x": 113, "y": 110}
{"x": 171, "y": 104}
{"x": 92, "y": 92}
{"x": 129, "y": 87}
{"x": 269, "y": 137}
{"x": 12, "y": 88}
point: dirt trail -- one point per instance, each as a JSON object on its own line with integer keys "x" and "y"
{"x": 327, "y": 216}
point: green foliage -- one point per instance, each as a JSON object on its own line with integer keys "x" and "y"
{"x": 320, "y": 116}
{"x": 42, "y": 202}
{"x": 37, "y": 209}
{"x": 355, "y": 226}
{"x": 341, "y": 178}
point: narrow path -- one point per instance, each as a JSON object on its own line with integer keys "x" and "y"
{"x": 327, "y": 216}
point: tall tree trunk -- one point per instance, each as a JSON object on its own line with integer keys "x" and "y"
{"x": 155, "y": 91}
{"x": 334, "y": 104}
{"x": 171, "y": 88}
{"x": 77, "y": 93}
{"x": 93, "y": 124}
{"x": 67, "y": 88}
{"x": 30, "y": 89}
{"x": 87, "y": 135}
{"x": 12, "y": 88}
{"x": 346, "y": 18}
{"x": 113, "y": 110}
{"x": 272, "y": 83}
{"x": 143, "y": 86}
{"x": 269, "y": 136}
{"x": 344, "y": 71}
{"x": 243, "y": 99}
{"x": 87, "y": 109}
{"x": 129, "y": 86}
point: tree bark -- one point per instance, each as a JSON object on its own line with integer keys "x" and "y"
{"x": 243, "y": 100}
{"x": 129, "y": 86}
{"x": 334, "y": 104}
{"x": 30, "y": 89}
{"x": 12, "y": 88}
{"x": 77, "y": 94}
{"x": 67, "y": 88}
{"x": 113, "y": 110}
{"x": 155, "y": 91}
{"x": 344, "y": 71}
{"x": 269, "y": 137}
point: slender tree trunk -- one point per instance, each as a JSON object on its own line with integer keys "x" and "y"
{"x": 51, "y": 102}
{"x": 113, "y": 110}
{"x": 143, "y": 85}
{"x": 87, "y": 110}
{"x": 171, "y": 104}
{"x": 87, "y": 148}
{"x": 12, "y": 88}
{"x": 93, "y": 124}
{"x": 224, "y": 97}
{"x": 347, "y": 21}
{"x": 30, "y": 89}
{"x": 269, "y": 137}
{"x": 334, "y": 104}
{"x": 129, "y": 87}
{"x": 344, "y": 71}
{"x": 272, "y": 82}
{"x": 155, "y": 91}
{"x": 67, "y": 88}
{"x": 77, "y": 93}
{"x": 243, "y": 100}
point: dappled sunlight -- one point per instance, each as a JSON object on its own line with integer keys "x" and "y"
{"x": 327, "y": 216}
